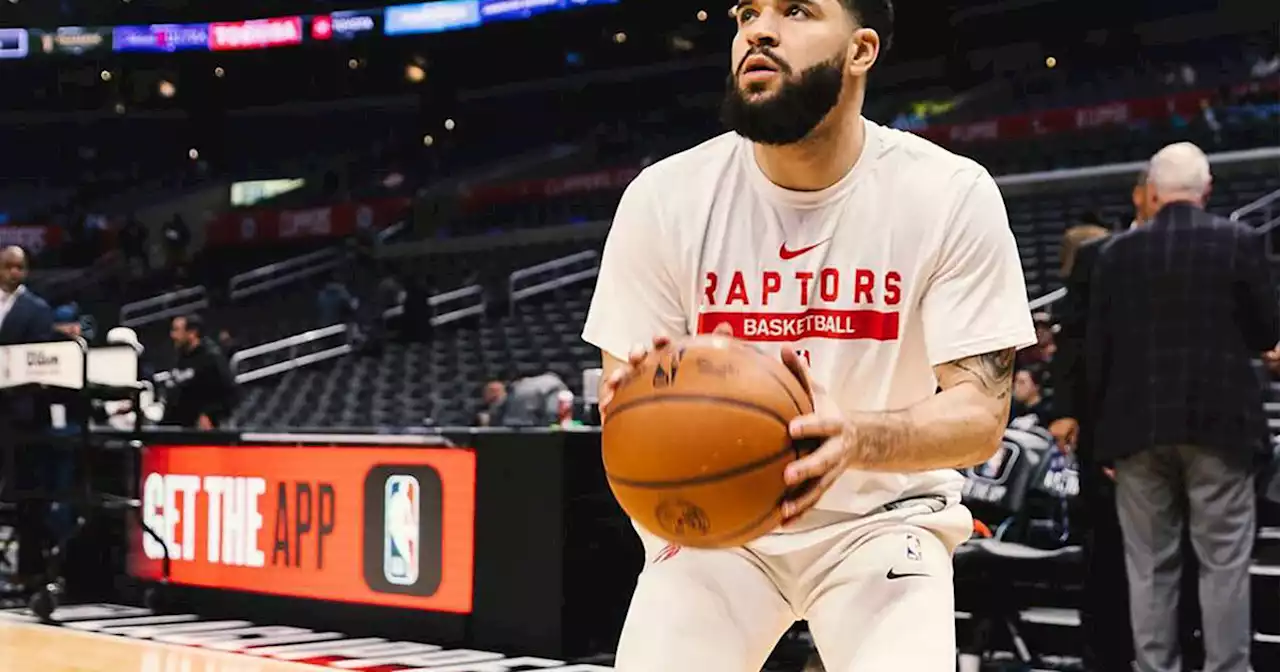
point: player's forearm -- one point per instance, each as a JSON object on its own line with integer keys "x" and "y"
{"x": 954, "y": 429}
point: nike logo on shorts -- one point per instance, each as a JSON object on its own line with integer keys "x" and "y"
{"x": 792, "y": 254}
{"x": 894, "y": 575}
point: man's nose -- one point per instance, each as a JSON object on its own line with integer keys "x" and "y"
{"x": 763, "y": 31}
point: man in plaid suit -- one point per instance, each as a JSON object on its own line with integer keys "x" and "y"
{"x": 1189, "y": 304}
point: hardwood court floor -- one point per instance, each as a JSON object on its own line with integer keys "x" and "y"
{"x": 35, "y": 648}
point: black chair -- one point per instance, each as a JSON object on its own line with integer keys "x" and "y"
{"x": 1021, "y": 496}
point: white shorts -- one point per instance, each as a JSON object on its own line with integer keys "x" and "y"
{"x": 876, "y": 590}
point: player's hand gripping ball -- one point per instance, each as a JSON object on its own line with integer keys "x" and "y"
{"x": 696, "y": 441}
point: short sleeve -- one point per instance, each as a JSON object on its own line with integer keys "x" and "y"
{"x": 637, "y": 296}
{"x": 976, "y": 301}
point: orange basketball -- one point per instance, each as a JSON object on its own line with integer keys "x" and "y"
{"x": 696, "y": 442}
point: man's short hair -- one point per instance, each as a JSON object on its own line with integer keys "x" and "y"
{"x": 874, "y": 14}
{"x": 194, "y": 323}
{"x": 1035, "y": 372}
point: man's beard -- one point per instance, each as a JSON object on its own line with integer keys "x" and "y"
{"x": 791, "y": 113}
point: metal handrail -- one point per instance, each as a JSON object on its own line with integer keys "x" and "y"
{"x": 1048, "y": 299}
{"x": 286, "y": 343}
{"x": 554, "y": 264}
{"x": 386, "y": 234}
{"x": 515, "y": 294}
{"x": 295, "y": 363}
{"x": 562, "y": 281}
{"x": 274, "y": 275}
{"x": 1128, "y": 168}
{"x": 170, "y": 304}
{"x": 437, "y": 300}
{"x": 1256, "y": 205}
{"x": 247, "y": 283}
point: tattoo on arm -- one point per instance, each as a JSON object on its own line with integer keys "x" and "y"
{"x": 944, "y": 431}
{"x": 992, "y": 372}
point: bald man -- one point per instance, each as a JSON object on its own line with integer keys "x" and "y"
{"x": 24, "y": 412}
{"x": 24, "y": 317}
{"x": 1190, "y": 302}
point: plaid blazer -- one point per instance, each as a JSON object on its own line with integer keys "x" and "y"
{"x": 1179, "y": 310}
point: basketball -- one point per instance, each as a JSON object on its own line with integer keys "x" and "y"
{"x": 696, "y": 442}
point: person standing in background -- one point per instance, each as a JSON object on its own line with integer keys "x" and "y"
{"x": 1108, "y": 637}
{"x": 203, "y": 389}
{"x": 24, "y": 316}
{"x": 24, "y": 413}
{"x": 1189, "y": 303}
{"x": 1108, "y": 634}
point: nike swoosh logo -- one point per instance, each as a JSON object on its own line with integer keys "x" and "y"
{"x": 894, "y": 575}
{"x": 792, "y": 254}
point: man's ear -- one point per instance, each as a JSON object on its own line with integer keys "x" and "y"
{"x": 864, "y": 49}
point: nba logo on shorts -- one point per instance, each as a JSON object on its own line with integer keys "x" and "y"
{"x": 401, "y": 545}
{"x": 913, "y": 547}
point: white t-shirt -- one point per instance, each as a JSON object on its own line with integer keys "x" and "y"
{"x": 906, "y": 263}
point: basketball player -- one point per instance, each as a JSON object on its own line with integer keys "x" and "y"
{"x": 889, "y": 264}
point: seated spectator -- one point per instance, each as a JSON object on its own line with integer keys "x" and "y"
{"x": 1042, "y": 352}
{"x": 1030, "y": 408}
{"x": 227, "y": 343}
{"x": 531, "y": 402}
{"x": 565, "y": 412}
{"x": 495, "y": 401}
{"x": 335, "y": 302}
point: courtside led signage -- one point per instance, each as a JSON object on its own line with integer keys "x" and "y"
{"x": 380, "y": 526}
{"x": 13, "y": 43}
{"x": 432, "y": 17}
{"x": 517, "y": 10}
{"x": 281, "y": 31}
{"x": 161, "y": 37}
{"x": 343, "y": 25}
{"x": 75, "y": 40}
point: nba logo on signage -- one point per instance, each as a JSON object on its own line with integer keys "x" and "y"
{"x": 400, "y": 535}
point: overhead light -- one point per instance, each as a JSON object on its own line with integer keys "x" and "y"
{"x": 166, "y": 89}
{"x": 1051, "y": 62}
{"x": 219, "y": 72}
{"x": 449, "y": 125}
{"x": 702, "y": 15}
{"x": 619, "y": 37}
{"x": 428, "y": 140}
{"x": 105, "y": 75}
{"x": 414, "y": 73}
{"x": 193, "y": 154}
{"x": 353, "y": 63}
{"x": 119, "y": 108}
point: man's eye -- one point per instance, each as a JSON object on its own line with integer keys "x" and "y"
{"x": 795, "y": 10}
{"x": 745, "y": 14}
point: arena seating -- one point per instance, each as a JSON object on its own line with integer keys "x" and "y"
{"x": 542, "y": 334}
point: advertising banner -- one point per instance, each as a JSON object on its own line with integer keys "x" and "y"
{"x": 344, "y": 25}
{"x": 14, "y": 43}
{"x": 75, "y": 40}
{"x": 327, "y": 221}
{"x": 431, "y": 17}
{"x": 34, "y": 239}
{"x": 382, "y": 526}
{"x": 1117, "y": 113}
{"x": 601, "y": 180}
{"x": 161, "y": 37}
{"x": 517, "y": 10}
{"x": 281, "y": 31}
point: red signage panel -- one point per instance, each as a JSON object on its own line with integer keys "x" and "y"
{"x": 281, "y": 31}
{"x": 327, "y": 221}
{"x": 382, "y": 526}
